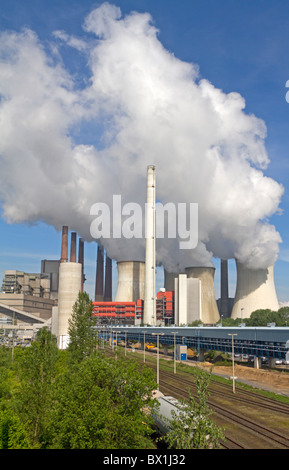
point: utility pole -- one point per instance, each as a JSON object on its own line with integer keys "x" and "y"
{"x": 175, "y": 363}
{"x": 233, "y": 362}
{"x": 158, "y": 367}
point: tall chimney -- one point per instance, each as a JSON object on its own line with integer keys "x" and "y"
{"x": 73, "y": 248}
{"x": 81, "y": 260}
{"x": 224, "y": 307}
{"x": 99, "y": 276}
{"x": 149, "y": 315}
{"x": 64, "y": 245}
{"x": 108, "y": 280}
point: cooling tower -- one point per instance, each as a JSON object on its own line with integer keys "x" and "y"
{"x": 149, "y": 314}
{"x": 255, "y": 290}
{"x": 209, "y": 308}
{"x": 98, "y": 296}
{"x": 130, "y": 286}
{"x": 70, "y": 277}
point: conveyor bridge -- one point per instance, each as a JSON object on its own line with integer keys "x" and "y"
{"x": 269, "y": 342}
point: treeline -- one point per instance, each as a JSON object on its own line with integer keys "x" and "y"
{"x": 258, "y": 318}
{"x": 73, "y": 399}
{"x": 261, "y": 318}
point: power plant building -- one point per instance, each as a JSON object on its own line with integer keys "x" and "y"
{"x": 27, "y": 292}
{"x": 188, "y": 306}
{"x": 51, "y": 268}
{"x": 187, "y": 297}
{"x": 209, "y": 309}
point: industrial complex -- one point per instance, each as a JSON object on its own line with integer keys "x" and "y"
{"x": 30, "y": 301}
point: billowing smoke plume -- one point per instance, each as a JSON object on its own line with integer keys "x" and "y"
{"x": 69, "y": 141}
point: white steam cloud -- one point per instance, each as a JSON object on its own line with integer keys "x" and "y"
{"x": 140, "y": 106}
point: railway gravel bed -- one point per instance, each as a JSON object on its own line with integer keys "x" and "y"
{"x": 256, "y": 433}
{"x": 249, "y": 420}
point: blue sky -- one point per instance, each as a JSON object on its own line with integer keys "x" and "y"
{"x": 239, "y": 46}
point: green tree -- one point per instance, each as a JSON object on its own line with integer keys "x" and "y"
{"x": 6, "y": 374}
{"x": 100, "y": 404}
{"x": 13, "y": 434}
{"x": 284, "y": 315}
{"x": 231, "y": 321}
{"x": 82, "y": 336}
{"x": 36, "y": 370}
{"x": 192, "y": 426}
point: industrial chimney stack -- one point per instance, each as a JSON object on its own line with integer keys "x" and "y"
{"x": 73, "y": 248}
{"x": 81, "y": 261}
{"x": 108, "y": 280}
{"x": 99, "y": 276}
{"x": 149, "y": 316}
{"x": 64, "y": 245}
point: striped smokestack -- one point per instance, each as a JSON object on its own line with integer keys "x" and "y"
{"x": 64, "y": 245}
{"x": 99, "y": 276}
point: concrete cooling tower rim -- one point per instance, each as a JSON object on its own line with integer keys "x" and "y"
{"x": 130, "y": 286}
{"x": 255, "y": 290}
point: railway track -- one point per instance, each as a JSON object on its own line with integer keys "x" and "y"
{"x": 264, "y": 432}
{"x": 241, "y": 431}
{"x": 242, "y": 396}
{"x": 252, "y": 397}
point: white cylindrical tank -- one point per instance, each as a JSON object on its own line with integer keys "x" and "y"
{"x": 149, "y": 314}
{"x": 255, "y": 290}
{"x": 130, "y": 286}
{"x": 70, "y": 278}
{"x": 209, "y": 308}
